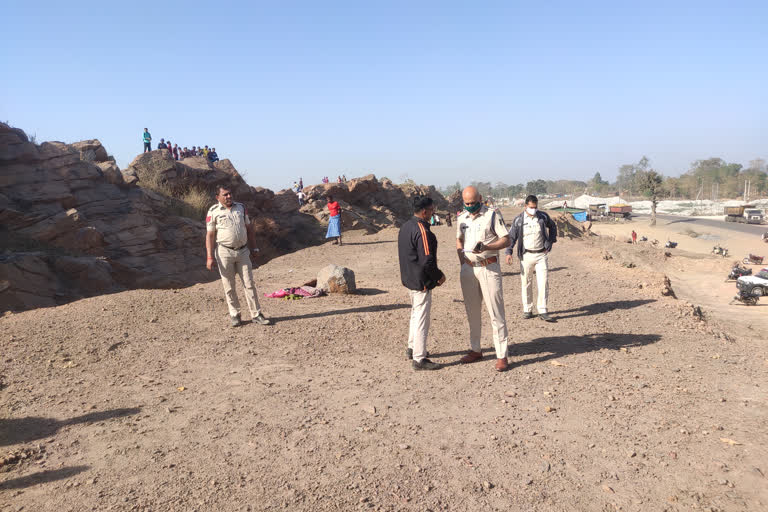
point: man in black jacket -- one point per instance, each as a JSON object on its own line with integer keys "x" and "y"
{"x": 535, "y": 232}
{"x": 417, "y": 249}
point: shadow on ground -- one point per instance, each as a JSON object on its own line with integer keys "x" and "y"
{"x": 371, "y": 243}
{"x": 370, "y": 291}
{"x": 41, "y": 477}
{"x": 23, "y": 430}
{"x": 600, "y": 307}
{"x": 554, "y": 347}
{"x": 319, "y": 314}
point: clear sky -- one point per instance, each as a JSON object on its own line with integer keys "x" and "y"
{"x": 439, "y": 91}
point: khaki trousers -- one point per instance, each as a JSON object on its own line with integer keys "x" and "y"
{"x": 233, "y": 263}
{"x": 421, "y": 304}
{"x": 483, "y": 284}
{"x": 534, "y": 261}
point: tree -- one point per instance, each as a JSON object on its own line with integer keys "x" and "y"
{"x": 536, "y": 187}
{"x": 650, "y": 184}
{"x": 597, "y": 183}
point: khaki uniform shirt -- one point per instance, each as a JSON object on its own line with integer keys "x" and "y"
{"x": 533, "y": 240}
{"x": 486, "y": 226}
{"x": 229, "y": 224}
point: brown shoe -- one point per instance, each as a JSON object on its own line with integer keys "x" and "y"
{"x": 502, "y": 365}
{"x": 471, "y": 357}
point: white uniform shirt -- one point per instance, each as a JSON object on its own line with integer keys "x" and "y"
{"x": 229, "y": 224}
{"x": 486, "y": 226}
{"x": 533, "y": 240}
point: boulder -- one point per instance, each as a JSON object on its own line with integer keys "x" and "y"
{"x": 336, "y": 279}
{"x": 91, "y": 150}
{"x": 111, "y": 172}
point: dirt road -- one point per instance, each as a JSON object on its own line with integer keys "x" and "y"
{"x": 146, "y": 400}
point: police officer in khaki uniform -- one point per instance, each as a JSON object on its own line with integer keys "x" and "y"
{"x": 534, "y": 232}
{"x": 229, "y": 239}
{"x": 480, "y": 234}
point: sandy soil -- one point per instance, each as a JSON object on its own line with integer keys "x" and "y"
{"x": 696, "y": 273}
{"x": 147, "y": 400}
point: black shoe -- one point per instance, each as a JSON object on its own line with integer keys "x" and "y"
{"x": 261, "y": 319}
{"x": 235, "y": 321}
{"x": 546, "y": 317}
{"x": 426, "y": 364}
{"x": 527, "y": 315}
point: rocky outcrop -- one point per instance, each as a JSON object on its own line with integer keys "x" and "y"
{"x": 74, "y": 224}
{"x": 73, "y": 229}
{"x": 278, "y": 224}
{"x": 368, "y": 203}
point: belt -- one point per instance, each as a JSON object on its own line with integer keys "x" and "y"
{"x": 540, "y": 250}
{"x": 233, "y": 248}
{"x": 485, "y": 262}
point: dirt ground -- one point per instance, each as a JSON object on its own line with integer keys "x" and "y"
{"x": 699, "y": 275}
{"x": 147, "y": 400}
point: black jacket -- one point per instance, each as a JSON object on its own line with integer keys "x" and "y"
{"x": 417, "y": 248}
{"x": 548, "y": 231}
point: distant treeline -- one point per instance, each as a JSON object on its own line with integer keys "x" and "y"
{"x": 713, "y": 178}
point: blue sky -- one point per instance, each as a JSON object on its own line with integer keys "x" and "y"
{"x": 436, "y": 91}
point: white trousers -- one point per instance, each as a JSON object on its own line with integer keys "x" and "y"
{"x": 534, "y": 261}
{"x": 421, "y": 304}
{"x": 483, "y": 284}
{"x": 233, "y": 263}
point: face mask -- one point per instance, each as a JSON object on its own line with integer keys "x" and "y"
{"x": 531, "y": 211}
{"x": 474, "y": 208}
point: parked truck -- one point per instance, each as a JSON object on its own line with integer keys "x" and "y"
{"x": 621, "y": 211}
{"x": 745, "y": 214}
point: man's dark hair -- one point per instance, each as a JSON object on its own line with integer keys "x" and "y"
{"x": 330, "y": 197}
{"x": 223, "y": 188}
{"x": 420, "y": 203}
{"x": 146, "y": 128}
{"x": 532, "y": 199}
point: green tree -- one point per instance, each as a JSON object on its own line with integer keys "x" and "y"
{"x": 536, "y": 187}
{"x": 650, "y": 184}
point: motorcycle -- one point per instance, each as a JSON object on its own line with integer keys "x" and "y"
{"x": 746, "y": 298}
{"x": 718, "y": 250}
{"x": 737, "y": 271}
{"x": 670, "y": 244}
{"x": 753, "y": 259}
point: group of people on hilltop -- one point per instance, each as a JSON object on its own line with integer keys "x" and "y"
{"x": 339, "y": 179}
{"x": 178, "y": 153}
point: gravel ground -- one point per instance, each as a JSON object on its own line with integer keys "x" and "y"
{"x": 147, "y": 400}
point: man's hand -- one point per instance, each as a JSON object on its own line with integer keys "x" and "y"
{"x": 509, "y": 259}
{"x": 209, "y": 263}
{"x": 441, "y": 280}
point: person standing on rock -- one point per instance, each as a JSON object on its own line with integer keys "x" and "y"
{"x": 162, "y": 144}
{"x": 175, "y": 152}
{"x": 417, "y": 250}
{"x": 230, "y": 243}
{"x": 334, "y": 223}
{"x": 535, "y": 232}
{"x": 480, "y": 233}
{"x": 147, "y": 137}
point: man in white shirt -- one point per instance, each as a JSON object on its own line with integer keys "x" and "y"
{"x": 534, "y": 232}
